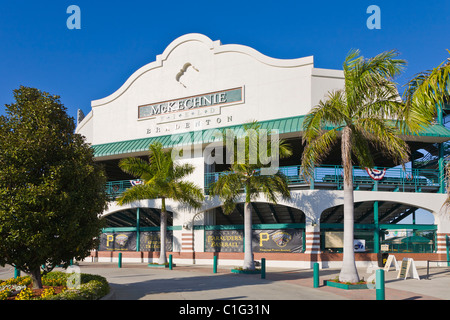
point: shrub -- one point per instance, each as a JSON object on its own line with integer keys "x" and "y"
{"x": 92, "y": 287}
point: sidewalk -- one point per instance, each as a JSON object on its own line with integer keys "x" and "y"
{"x": 187, "y": 282}
{"x": 140, "y": 282}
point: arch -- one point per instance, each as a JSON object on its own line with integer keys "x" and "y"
{"x": 389, "y": 212}
{"x": 263, "y": 213}
{"x": 127, "y": 217}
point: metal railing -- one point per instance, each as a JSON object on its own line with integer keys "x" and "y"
{"x": 116, "y": 188}
{"x": 330, "y": 177}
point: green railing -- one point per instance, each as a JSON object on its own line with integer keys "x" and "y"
{"x": 331, "y": 177}
{"x": 116, "y": 188}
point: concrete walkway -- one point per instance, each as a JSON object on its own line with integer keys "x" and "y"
{"x": 140, "y": 282}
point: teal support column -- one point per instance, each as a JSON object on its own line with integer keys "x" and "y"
{"x": 120, "y": 260}
{"x": 441, "y": 169}
{"x": 316, "y": 275}
{"x": 379, "y": 284}
{"x": 376, "y": 233}
{"x": 138, "y": 233}
{"x": 440, "y": 120}
{"x": 170, "y": 262}
{"x": 263, "y": 268}
{"x": 215, "y": 264}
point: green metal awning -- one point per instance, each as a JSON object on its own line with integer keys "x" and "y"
{"x": 284, "y": 126}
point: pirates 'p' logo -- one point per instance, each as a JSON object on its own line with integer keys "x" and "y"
{"x": 281, "y": 238}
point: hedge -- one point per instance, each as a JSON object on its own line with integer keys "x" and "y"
{"x": 92, "y": 287}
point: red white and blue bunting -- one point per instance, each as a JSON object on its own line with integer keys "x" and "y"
{"x": 136, "y": 182}
{"x": 376, "y": 174}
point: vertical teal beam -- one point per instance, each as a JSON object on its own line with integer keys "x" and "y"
{"x": 170, "y": 262}
{"x": 441, "y": 169}
{"x": 138, "y": 231}
{"x": 215, "y": 264}
{"x": 440, "y": 121}
{"x": 120, "y": 260}
{"x": 376, "y": 234}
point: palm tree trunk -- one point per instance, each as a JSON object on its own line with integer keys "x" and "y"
{"x": 249, "y": 263}
{"x": 348, "y": 273}
{"x": 163, "y": 229}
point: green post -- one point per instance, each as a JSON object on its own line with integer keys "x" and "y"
{"x": 16, "y": 273}
{"x": 379, "y": 285}
{"x": 170, "y": 262}
{"x": 215, "y": 265}
{"x": 138, "y": 230}
{"x": 120, "y": 260}
{"x": 448, "y": 253}
{"x": 263, "y": 268}
{"x": 316, "y": 275}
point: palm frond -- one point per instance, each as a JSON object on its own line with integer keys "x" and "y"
{"x": 317, "y": 149}
{"x": 136, "y": 193}
{"x": 385, "y": 136}
{"x": 136, "y": 167}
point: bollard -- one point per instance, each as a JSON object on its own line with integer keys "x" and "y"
{"x": 16, "y": 273}
{"x": 215, "y": 265}
{"x": 120, "y": 259}
{"x": 316, "y": 274}
{"x": 170, "y": 262}
{"x": 379, "y": 284}
{"x": 263, "y": 268}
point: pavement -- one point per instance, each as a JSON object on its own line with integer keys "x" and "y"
{"x": 195, "y": 282}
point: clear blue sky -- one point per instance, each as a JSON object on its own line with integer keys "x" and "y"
{"x": 118, "y": 37}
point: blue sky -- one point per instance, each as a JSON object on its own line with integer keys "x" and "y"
{"x": 118, "y": 37}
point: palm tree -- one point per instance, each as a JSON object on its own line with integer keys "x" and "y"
{"x": 247, "y": 176}
{"x": 364, "y": 113}
{"x": 424, "y": 98}
{"x": 425, "y": 95}
{"x": 162, "y": 179}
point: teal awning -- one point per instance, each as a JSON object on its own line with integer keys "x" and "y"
{"x": 284, "y": 126}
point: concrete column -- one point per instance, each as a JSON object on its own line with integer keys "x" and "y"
{"x": 312, "y": 234}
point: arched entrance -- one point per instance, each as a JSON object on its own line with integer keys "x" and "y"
{"x": 381, "y": 226}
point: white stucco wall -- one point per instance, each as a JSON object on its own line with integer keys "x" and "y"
{"x": 273, "y": 88}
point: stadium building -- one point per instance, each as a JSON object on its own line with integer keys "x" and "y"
{"x": 197, "y": 86}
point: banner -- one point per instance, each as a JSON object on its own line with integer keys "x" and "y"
{"x": 151, "y": 241}
{"x": 125, "y": 241}
{"x": 285, "y": 240}
{"x": 224, "y": 240}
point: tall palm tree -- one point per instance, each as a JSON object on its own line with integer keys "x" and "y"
{"x": 246, "y": 176}
{"x": 425, "y": 94}
{"x": 362, "y": 115}
{"x": 162, "y": 179}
